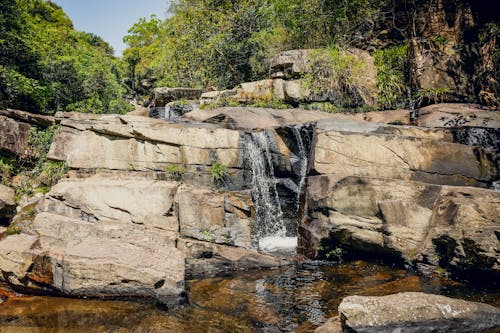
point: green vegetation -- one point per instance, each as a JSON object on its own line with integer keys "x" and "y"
{"x": 223, "y": 43}
{"x": 219, "y": 173}
{"x": 392, "y": 66}
{"x": 175, "y": 171}
{"x": 338, "y": 74}
{"x": 432, "y": 95}
{"x": 47, "y": 66}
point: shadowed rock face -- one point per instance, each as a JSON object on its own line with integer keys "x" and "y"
{"x": 384, "y": 192}
{"x": 416, "y": 312}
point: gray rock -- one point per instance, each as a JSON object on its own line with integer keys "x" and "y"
{"x": 416, "y": 312}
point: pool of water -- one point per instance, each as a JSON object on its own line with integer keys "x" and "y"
{"x": 292, "y": 299}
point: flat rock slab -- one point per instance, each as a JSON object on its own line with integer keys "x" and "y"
{"x": 416, "y": 312}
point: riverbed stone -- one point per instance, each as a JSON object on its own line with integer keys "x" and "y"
{"x": 416, "y": 312}
{"x": 208, "y": 259}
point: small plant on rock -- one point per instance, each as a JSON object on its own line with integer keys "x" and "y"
{"x": 218, "y": 173}
{"x": 175, "y": 171}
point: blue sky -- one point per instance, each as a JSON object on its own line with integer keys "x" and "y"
{"x": 111, "y": 19}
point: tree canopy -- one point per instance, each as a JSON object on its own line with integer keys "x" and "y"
{"x": 47, "y": 66}
{"x": 225, "y": 42}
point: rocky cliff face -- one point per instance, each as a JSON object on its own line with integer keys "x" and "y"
{"x": 406, "y": 194}
{"x": 141, "y": 209}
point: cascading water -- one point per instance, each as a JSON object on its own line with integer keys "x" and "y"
{"x": 271, "y": 229}
{"x": 302, "y": 156}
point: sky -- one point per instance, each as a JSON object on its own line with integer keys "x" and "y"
{"x": 111, "y": 19}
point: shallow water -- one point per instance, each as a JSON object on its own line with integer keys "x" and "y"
{"x": 292, "y": 299}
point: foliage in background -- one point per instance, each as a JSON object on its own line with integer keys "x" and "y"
{"x": 47, "y": 66}
{"x": 392, "y": 68}
{"x": 338, "y": 75}
{"x": 222, "y": 43}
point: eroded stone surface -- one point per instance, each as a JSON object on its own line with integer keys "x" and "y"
{"x": 416, "y": 312}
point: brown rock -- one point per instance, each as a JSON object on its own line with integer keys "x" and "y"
{"x": 14, "y": 138}
{"x": 28, "y": 117}
{"x": 162, "y": 96}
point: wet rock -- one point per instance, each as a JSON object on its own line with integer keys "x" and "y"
{"x": 7, "y": 202}
{"x": 416, "y": 312}
{"x": 209, "y": 259}
{"x": 162, "y": 96}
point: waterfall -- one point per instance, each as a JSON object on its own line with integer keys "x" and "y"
{"x": 267, "y": 205}
{"x": 271, "y": 226}
{"x": 302, "y": 161}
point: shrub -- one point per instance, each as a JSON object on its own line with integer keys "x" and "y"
{"x": 392, "y": 64}
{"x": 218, "y": 173}
{"x": 337, "y": 76}
{"x": 175, "y": 171}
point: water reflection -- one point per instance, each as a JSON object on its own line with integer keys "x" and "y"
{"x": 292, "y": 299}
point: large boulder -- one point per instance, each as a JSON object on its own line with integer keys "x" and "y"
{"x": 162, "y": 96}
{"x": 416, "y": 312}
{"x": 98, "y": 237}
{"x": 401, "y": 193}
{"x": 457, "y": 115}
{"x": 436, "y": 228}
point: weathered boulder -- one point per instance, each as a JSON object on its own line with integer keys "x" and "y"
{"x": 251, "y": 118}
{"x": 223, "y": 218}
{"x": 290, "y": 64}
{"x": 98, "y": 237}
{"x": 436, "y": 228}
{"x": 409, "y": 153}
{"x": 384, "y": 191}
{"x": 7, "y": 202}
{"x": 162, "y": 96}
{"x": 416, "y": 312}
{"x": 28, "y": 117}
{"x": 14, "y": 138}
{"x": 368, "y": 215}
{"x": 463, "y": 234}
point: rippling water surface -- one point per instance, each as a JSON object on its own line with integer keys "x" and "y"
{"x": 292, "y": 299}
